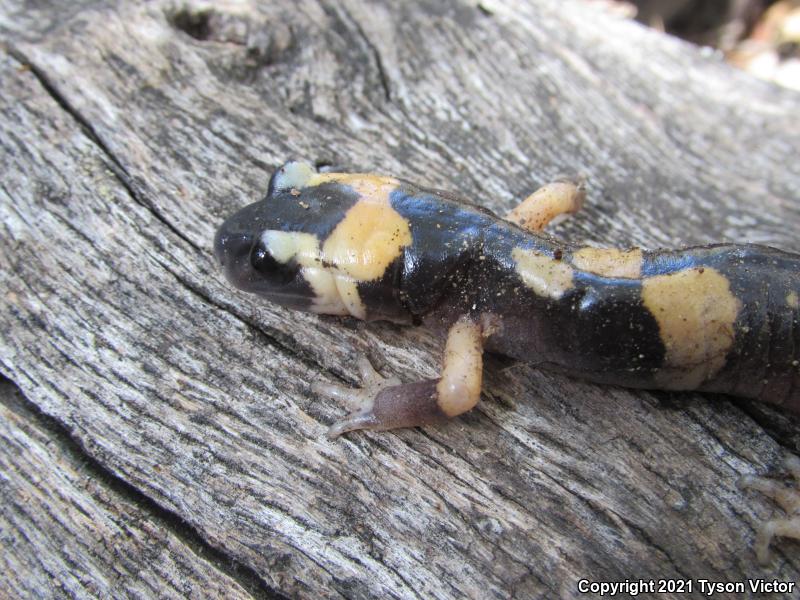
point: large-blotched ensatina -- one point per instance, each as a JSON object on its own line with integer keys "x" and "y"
{"x": 721, "y": 318}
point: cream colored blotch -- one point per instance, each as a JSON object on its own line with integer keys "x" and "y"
{"x": 304, "y": 248}
{"x": 293, "y": 174}
{"x": 609, "y": 262}
{"x": 696, "y": 311}
{"x": 544, "y": 275}
{"x": 369, "y": 238}
{"x": 372, "y": 234}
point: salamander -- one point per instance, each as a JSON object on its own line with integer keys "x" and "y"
{"x": 719, "y": 318}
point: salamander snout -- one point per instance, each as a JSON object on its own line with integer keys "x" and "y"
{"x": 256, "y": 258}
{"x": 234, "y": 241}
{"x": 232, "y": 250}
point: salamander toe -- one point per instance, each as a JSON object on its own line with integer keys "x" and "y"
{"x": 788, "y": 498}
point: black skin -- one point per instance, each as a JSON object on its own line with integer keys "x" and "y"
{"x": 460, "y": 263}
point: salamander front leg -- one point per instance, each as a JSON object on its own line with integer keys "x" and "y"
{"x": 388, "y": 404}
{"x": 545, "y": 204}
{"x": 787, "y": 498}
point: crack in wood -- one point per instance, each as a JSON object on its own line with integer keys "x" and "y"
{"x": 13, "y": 398}
{"x": 116, "y": 166}
{"x": 383, "y": 75}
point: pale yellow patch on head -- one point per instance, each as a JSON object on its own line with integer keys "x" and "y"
{"x": 609, "y": 262}
{"x": 544, "y": 275}
{"x": 293, "y": 175}
{"x": 328, "y": 299}
{"x": 459, "y": 388}
{"x": 348, "y": 293}
{"x": 792, "y": 300}
{"x": 286, "y": 245}
{"x": 304, "y": 248}
{"x": 696, "y": 312}
{"x": 372, "y": 234}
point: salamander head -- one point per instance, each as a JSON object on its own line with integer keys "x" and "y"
{"x": 263, "y": 249}
{"x": 318, "y": 241}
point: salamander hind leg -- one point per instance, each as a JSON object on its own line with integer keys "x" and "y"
{"x": 385, "y": 403}
{"x": 787, "y": 498}
{"x": 550, "y": 201}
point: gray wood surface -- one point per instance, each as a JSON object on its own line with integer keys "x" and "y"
{"x": 128, "y": 130}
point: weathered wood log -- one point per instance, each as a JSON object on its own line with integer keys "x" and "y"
{"x": 128, "y": 131}
{"x": 70, "y": 530}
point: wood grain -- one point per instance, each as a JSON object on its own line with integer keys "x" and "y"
{"x": 70, "y": 530}
{"x": 130, "y": 129}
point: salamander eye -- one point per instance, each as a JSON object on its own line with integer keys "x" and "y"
{"x": 269, "y": 267}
